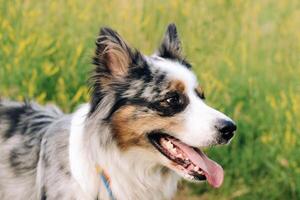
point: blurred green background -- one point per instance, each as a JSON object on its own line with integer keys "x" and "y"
{"x": 246, "y": 54}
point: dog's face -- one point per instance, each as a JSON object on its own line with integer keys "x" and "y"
{"x": 157, "y": 105}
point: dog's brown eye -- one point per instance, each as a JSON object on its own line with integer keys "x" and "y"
{"x": 171, "y": 104}
{"x": 174, "y": 100}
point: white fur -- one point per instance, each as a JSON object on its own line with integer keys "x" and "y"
{"x": 82, "y": 167}
{"x": 175, "y": 71}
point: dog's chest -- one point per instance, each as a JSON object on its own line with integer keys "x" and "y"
{"x": 128, "y": 187}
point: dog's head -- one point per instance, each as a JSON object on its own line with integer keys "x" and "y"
{"x": 157, "y": 105}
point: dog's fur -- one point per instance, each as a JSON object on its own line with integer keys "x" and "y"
{"x": 46, "y": 154}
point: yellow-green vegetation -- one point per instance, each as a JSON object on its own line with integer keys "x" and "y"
{"x": 246, "y": 54}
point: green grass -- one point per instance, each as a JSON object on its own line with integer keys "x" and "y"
{"x": 246, "y": 54}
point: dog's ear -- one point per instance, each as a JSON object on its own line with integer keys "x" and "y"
{"x": 113, "y": 59}
{"x": 113, "y": 56}
{"x": 171, "y": 45}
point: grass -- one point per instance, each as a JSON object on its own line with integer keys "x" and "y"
{"x": 246, "y": 54}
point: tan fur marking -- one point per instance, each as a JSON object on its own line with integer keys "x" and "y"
{"x": 130, "y": 131}
{"x": 177, "y": 85}
{"x": 200, "y": 90}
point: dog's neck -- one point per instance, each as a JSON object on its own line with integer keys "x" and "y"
{"x": 132, "y": 174}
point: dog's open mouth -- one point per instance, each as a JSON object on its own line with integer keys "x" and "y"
{"x": 190, "y": 161}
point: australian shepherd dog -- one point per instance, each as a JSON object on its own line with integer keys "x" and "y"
{"x": 142, "y": 130}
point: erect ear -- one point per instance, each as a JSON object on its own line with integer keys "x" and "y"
{"x": 113, "y": 59}
{"x": 113, "y": 56}
{"x": 171, "y": 45}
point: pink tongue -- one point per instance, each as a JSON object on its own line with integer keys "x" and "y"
{"x": 213, "y": 171}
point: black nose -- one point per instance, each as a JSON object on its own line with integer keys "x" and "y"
{"x": 226, "y": 129}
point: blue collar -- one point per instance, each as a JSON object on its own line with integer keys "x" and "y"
{"x": 105, "y": 181}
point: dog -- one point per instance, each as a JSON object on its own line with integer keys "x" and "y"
{"x": 139, "y": 134}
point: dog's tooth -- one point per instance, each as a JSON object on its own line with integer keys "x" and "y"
{"x": 173, "y": 150}
{"x": 196, "y": 168}
{"x": 169, "y": 145}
